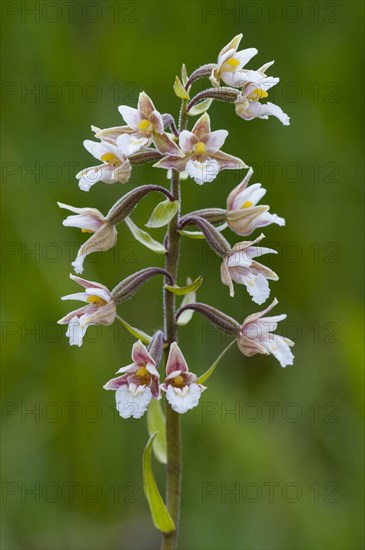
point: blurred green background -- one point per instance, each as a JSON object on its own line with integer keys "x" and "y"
{"x": 285, "y": 470}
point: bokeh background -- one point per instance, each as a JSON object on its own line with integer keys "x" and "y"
{"x": 273, "y": 458}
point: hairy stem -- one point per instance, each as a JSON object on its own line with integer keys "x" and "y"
{"x": 173, "y": 435}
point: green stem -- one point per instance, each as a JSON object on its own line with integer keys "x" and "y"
{"x": 173, "y": 435}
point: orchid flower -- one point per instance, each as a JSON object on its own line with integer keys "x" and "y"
{"x": 137, "y": 385}
{"x": 254, "y": 89}
{"x": 243, "y": 214}
{"x": 100, "y": 310}
{"x": 239, "y": 266}
{"x": 230, "y": 63}
{"x": 202, "y": 158}
{"x": 256, "y": 336}
{"x": 90, "y": 220}
{"x": 181, "y": 387}
{"x": 116, "y": 166}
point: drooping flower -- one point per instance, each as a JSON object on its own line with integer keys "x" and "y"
{"x": 100, "y": 310}
{"x": 202, "y": 156}
{"x": 231, "y": 62}
{"x": 254, "y": 89}
{"x": 243, "y": 214}
{"x": 239, "y": 266}
{"x": 90, "y": 220}
{"x": 116, "y": 166}
{"x": 256, "y": 336}
{"x": 181, "y": 387}
{"x": 137, "y": 385}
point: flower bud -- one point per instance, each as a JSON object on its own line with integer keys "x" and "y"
{"x": 129, "y": 286}
{"x": 221, "y": 320}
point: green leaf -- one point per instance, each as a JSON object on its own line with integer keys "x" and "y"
{"x": 204, "y": 377}
{"x": 184, "y": 74}
{"x": 145, "y": 238}
{"x": 160, "y": 516}
{"x": 180, "y": 90}
{"x": 136, "y": 332}
{"x": 200, "y": 108}
{"x": 156, "y": 423}
{"x": 187, "y": 315}
{"x": 182, "y": 290}
{"x": 163, "y": 213}
{"x": 199, "y": 234}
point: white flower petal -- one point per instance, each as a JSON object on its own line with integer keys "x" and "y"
{"x": 182, "y": 400}
{"x": 258, "y": 288}
{"x": 278, "y": 346}
{"x": 131, "y": 116}
{"x": 75, "y": 333}
{"x": 132, "y": 401}
{"x": 203, "y": 172}
{"x": 78, "y": 264}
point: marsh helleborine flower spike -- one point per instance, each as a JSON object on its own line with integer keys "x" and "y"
{"x": 230, "y": 63}
{"x": 137, "y": 385}
{"x": 243, "y": 214}
{"x": 255, "y": 88}
{"x": 239, "y": 266}
{"x": 100, "y": 310}
{"x": 202, "y": 158}
{"x": 116, "y": 166}
{"x": 255, "y": 336}
{"x": 90, "y": 220}
{"x": 182, "y": 391}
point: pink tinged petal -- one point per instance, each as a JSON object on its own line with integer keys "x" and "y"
{"x": 187, "y": 140}
{"x": 83, "y": 222}
{"x": 267, "y": 324}
{"x": 176, "y": 360}
{"x": 82, "y": 296}
{"x": 115, "y": 383}
{"x": 145, "y": 104}
{"x": 202, "y": 126}
{"x": 228, "y": 162}
{"x": 102, "y": 315}
{"x": 132, "y": 401}
{"x": 178, "y": 163}
{"x": 166, "y": 146}
{"x": 279, "y": 348}
{"x": 203, "y": 172}
{"x": 257, "y": 110}
{"x": 155, "y": 388}
{"x": 111, "y": 134}
{"x": 88, "y": 284}
{"x": 157, "y": 122}
{"x": 242, "y": 195}
{"x": 99, "y": 292}
{"x": 245, "y": 221}
{"x": 131, "y": 116}
{"x": 129, "y": 369}
{"x": 226, "y": 278}
{"x": 215, "y": 140}
{"x": 235, "y": 193}
{"x": 259, "y": 315}
{"x": 184, "y": 399}
{"x": 173, "y": 374}
{"x": 239, "y": 258}
{"x": 76, "y": 313}
{"x": 75, "y": 332}
{"x": 140, "y": 354}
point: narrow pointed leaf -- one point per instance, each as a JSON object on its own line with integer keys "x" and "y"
{"x": 184, "y": 74}
{"x": 199, "y": 234}
{"x": 182, "y": 290}
{"x": 145, "y": 238}
{"x": 187, "y": 315}
{"x": 156, "y": 423}
{"x": 180, "y": 90}
{"x": 204, "y": 377}
{"x": 163, "y": 213}
{"x": 160, "y": 516}
{"x": 136, "y": 332}
{"x": 200, "y": 108}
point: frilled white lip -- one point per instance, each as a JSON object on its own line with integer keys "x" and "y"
{"x": 132, "y": 401}
{"x": 184, "y": 399}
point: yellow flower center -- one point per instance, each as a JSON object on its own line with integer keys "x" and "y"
{"x": 92, "y": 299}
{"x": 257, "y": 94}
{"x": 178, "y": 381}
{"x": 199, "y": 148}
{"x": 86, "y": 231}
{"x": 247, "y": 204}
{"x": 143, "y": 373}
{"x": 111, "y": 159}
{"x": 144, "y": 126}
{"x": 230, "y": 65}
